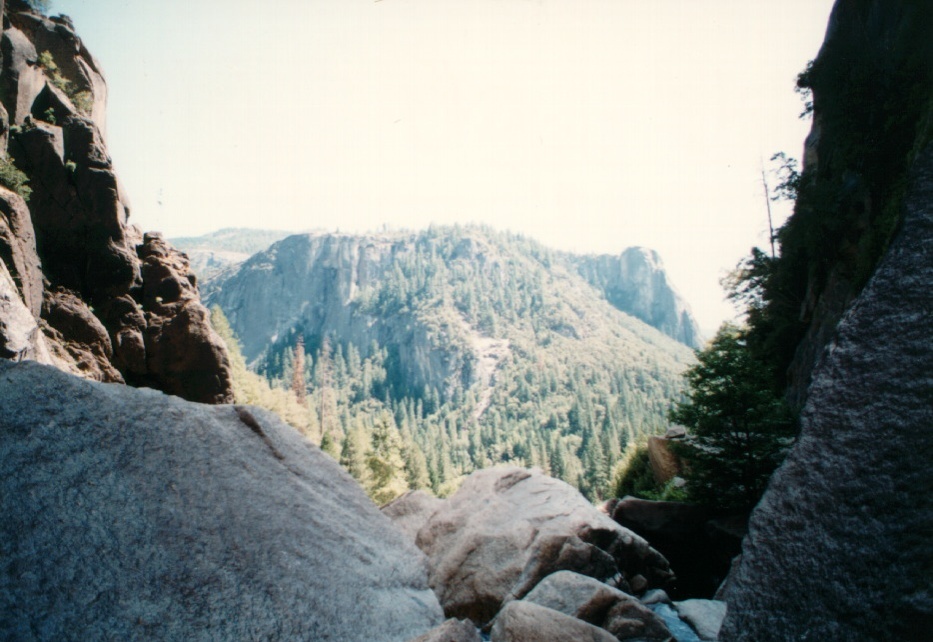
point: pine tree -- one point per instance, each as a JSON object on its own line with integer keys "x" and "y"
{"x": 739, "y": 428}
{"x": 298, "y": 374}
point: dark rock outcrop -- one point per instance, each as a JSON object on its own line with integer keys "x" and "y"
{"x": 839, "y": 547}
{"x": 508, "y": 528}
{"x": 699, "y": 546}
{"x": 108, "y": 304}
{"x": 636, "y": 283}
{"x": 135, "y": 515}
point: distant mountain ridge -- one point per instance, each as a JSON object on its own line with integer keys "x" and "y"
{"x": 485, "y": 347}
{"x": 634, "y": 281}
{"x": 210, "y": 253}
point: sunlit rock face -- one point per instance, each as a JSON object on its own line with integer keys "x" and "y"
{"x": 636, "y": 283}
{"x": 107, "y": 303}
{"x": 137, "y": 515}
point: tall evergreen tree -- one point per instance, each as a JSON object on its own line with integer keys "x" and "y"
{"x": 739, "y": 428}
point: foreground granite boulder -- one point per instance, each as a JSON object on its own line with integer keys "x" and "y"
{"x": 411, "y": 511}
{"x": 129, "y": 514}
{"x": 839, "y": 547}
{"x": 528, "y": 622}
{"x": 599, "y": 604}
{"x": 507, "y": 528}
{"x": 451, "y": 630}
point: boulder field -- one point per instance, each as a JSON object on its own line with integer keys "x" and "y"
{"x": 526, "y": 557}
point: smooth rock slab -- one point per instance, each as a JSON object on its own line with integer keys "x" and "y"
{"x": 130, "y": 514}
{"x": 527, "y": 622}
{"x": 705, "y": 616}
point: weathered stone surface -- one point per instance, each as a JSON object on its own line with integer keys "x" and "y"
{"x": 184, "y": 355}
{"x": 665, "y": 465}
{"x": 77, "y": 338}
{"x": 507, "y": 528}
{"x": 839, "y": 546}
{"x": 451, "y": 630}
{"x": 679, "y": 629}
{"x": 18, "y": 249}
{"x": 527, "y": 622}
{"x": 411, "y": 511}
{"x": 18, "y": 328}
{"x": 21, "y": 78}
{"x": 129, "y": 514}
{"x": 705, "y": 616}
{"x": 599, "y": 604}
{"x": 699, "y": 554}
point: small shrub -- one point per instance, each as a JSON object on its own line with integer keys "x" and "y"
{"x": 83, "y": 102}
{"x": 50, "y": 115}
{"x": 12, "y": 178}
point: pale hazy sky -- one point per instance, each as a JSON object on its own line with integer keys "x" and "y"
{"x": 588, "y": 125}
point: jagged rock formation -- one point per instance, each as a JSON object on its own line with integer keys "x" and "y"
{"x": 107, "y": 303}
{"x": 636, "y": 283}
{"x": 135, "y": 515}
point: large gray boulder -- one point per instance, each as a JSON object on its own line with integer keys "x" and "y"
{"x": 507, "y": 528}
{"x": 839, "y": 547}
{"x": 129, "y": 514}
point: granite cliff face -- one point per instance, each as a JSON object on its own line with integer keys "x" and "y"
{"x": 80, "y": 287}
{"x": 839, "y": 547}
{"x": 420, "y": 295}
{"x": 636, "y": 283}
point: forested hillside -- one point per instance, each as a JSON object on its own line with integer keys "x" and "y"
{"x": 419, "y": 357}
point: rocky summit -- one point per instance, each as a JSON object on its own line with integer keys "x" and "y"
{"x": 137, "y": 515}
{"x": 80, "y": 287}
